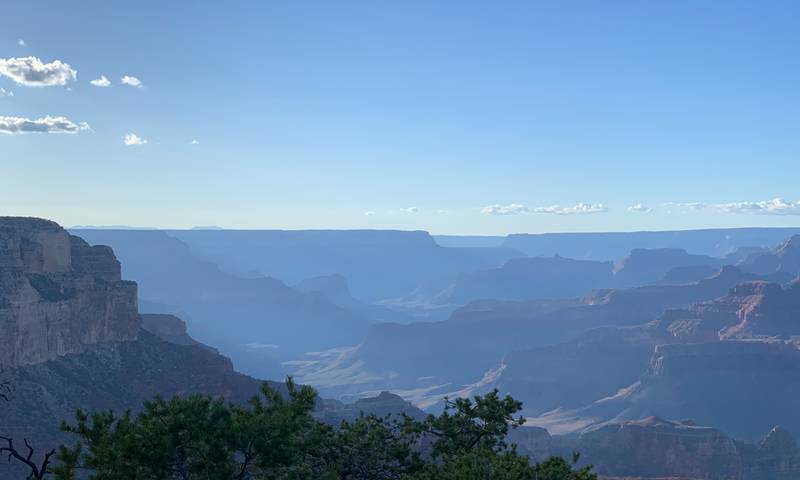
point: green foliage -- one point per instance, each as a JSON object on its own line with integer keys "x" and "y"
{"x": 276, "y": 437}
{"x": 466, "y": 424}
{"x": 374, "y": 447}
{"x": 556, "y": 468}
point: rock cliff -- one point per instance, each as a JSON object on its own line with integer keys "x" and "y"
{"x": 58, "y": 294}
{"x": 652, "y": 448}
{"x": 783, "y": 258}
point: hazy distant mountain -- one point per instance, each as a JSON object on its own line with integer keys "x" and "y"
{"x": 615, "y": 245}
{"x": 556, "y": 277}
{"x": 335, "y": 289}
{"x": 686, "y": 274}
{"x": 469, "y": 241}
{"x": 532, "y": 279}
{"x": 429, "y": 359}
{"x": 647, "y": 266}
{"x": 378, "y": 264}
{"x": 256, "y": 321}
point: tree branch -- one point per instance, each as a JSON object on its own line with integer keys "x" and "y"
{"x": 37, "y": 471}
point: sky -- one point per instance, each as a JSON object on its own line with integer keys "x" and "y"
{"x": 455, "y": 117}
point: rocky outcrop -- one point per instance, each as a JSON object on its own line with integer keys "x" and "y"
{"x": 168, "y": 328}
{"x": 776, "y": 457}
{"x": 743, "y": 387}
{"x": 653, "y": 447}
{"x": 783, "y": 258}
{"x": 599, "y": 363}
{"x": 750, "y": 310}
{"x": 385, "y": 403}
{"x": 710, "y": 362}
{"x": 58, "y": 294}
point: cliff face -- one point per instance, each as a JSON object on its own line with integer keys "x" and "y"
{"x": 783, "y": 258}
{"x": 58, "y": 294}
{"x": 653, "y": 447}
{"x": 168, "y": 328}
{"x": 750, "y": 310}
{"x": 114, "y": 375}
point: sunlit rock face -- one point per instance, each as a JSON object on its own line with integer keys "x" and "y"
{"x": 58, "y": 294}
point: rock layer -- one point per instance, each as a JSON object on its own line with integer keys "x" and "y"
{"x": 58, "y": 294}
{"x": 653, "y": 448}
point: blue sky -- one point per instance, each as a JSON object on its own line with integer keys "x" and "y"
{"x": 453, "y": 117}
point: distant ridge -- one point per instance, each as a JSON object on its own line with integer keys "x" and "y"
{"x": 109, "y": 227}
{"x": 615, "y": 245}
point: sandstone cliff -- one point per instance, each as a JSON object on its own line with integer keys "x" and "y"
{"x": 58, "y": 294}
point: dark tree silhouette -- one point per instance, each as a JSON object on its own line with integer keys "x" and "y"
{"x": 37, "y": 471}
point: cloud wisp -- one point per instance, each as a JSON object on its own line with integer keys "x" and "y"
{"x": 20, "y": 125}
{"x": 103, "y": 81}
{"x": 510, "y": 209}
{"x": 132, "y": 139}
{"x": 518, "y": 209}
{"x": 21, "y": 42}
{"x": 131, "y": 81}
{"x": 776, "y": 206}
{"x": 32, "y": 72}
{"x": 5, "y": 93}
{"x": 639, "y": 208}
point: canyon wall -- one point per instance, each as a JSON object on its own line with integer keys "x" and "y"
{"x": 58, "y": 294}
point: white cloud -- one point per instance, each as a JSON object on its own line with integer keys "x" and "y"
{"x": 510, "y": 209}
{"x": 517, "y": 209}
{"x": 776, "y": 206}
{"x": 411, "y": 210}
{"x": 133, "y": 139}
{"x": 32, "y": 72}
{"x": 103, "y": 81}
{"x": 369, "y": 213}
{"x": 578, "y": 209}
{"x": 132, "y": 81}
{"x": 21, "y": 42}
{"x": 5, "y": 93}
{"x": 640, "y": 208}
{"x": 19, "y": 125}
{"x": 442, "y": 211}
{"x": 194, "y": 142}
